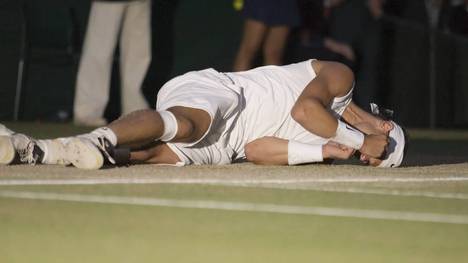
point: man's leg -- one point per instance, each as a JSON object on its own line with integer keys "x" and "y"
{"x": 144, "y": 126}
{"x": 137, "y": 129}
{"x": 87, "y": 151}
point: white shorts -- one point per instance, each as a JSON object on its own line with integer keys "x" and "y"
{"x": 214, "y": 93}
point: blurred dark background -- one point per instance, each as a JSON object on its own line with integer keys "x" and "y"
{"x": 406, "y": 59}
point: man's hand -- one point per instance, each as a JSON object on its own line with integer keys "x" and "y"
{"x": 333, "y": 150}
{"x": 374, "y": 145}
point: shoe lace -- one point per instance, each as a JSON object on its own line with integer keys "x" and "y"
{"x": 27, "y": 154}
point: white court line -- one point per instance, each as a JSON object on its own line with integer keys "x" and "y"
{"x": 243, "y": 181}
{"x": 351, "y": 190}
{"x": 245, "y": 207}
{"x": 307, "y": 184}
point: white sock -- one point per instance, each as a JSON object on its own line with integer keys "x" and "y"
{"x": 103, "y": 131}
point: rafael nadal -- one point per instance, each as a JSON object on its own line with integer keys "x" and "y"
{"x": 293, "y": 114}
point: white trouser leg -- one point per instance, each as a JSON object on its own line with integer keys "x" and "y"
{"x": 93, "y": 80}
{"x": 135, "y": 54}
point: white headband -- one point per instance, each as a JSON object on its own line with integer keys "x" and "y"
{"x": 395, "y": 147}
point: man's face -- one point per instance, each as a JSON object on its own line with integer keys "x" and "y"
{"x": 381, "y": 127}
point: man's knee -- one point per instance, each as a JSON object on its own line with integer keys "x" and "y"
{"x": 192, "y": 123}
{"x": 186, "y": 128}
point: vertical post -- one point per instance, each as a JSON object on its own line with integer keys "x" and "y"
{"x": 21, "y": 65}
{"x": 432, "y": 78}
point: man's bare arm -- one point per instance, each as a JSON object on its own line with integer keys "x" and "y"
{"x": 310, "y": 110}
{"x": 268, "y": 151}
{"x": 354, "y": 114}
{"x": 368, "y": 123}
{"x": 275, "y": 151}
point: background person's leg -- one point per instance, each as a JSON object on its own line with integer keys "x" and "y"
{"x": 135, "y": 55}
{"x": 273, "y": 47}
{"x": 254, "y": 33}
{"x": 93, "y": 79}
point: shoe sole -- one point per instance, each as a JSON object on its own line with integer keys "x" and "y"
{"x": 84, "y": 155}
{"x": 7, "y": 150}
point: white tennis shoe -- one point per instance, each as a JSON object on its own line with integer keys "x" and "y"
{"x": 19, "y": 148}
{"x": 4, "y": 131}
{"x": 90, "y": 151}
{"x": 7, "y": 150}
{"x": 84, "y": 154}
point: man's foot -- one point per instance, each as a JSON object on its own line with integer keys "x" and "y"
{"x": 83, "y": 154}
{"x": 7, "y": 150}
{"x": 89, "y": 152}
{"x": 19, "y": 148}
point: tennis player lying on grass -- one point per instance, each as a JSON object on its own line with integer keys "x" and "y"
{"x": 269, "y": 115}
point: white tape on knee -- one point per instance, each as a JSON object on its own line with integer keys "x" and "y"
{"x": 299, "y": 153}
{"x": 170, "y": 126}
{"x": 348, "y": 136}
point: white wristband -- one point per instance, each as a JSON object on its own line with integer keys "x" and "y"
{"x": 170, "y": 126}
{"x": 348, "y": 136}
{"x": 299, "y": 153}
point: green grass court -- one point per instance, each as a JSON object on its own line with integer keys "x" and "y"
{"x": 241, "y": 212}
